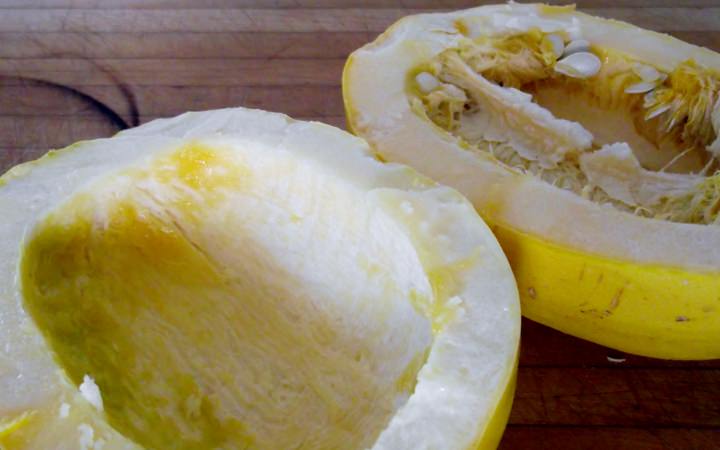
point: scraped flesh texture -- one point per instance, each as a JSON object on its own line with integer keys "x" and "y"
{"x": 509, "y": 115}
{"x": 612, "y": 126}
{"x": 670, "y": 130}
{"x": 223, "y": 304}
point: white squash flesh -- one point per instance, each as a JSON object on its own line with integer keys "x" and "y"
{"x": 237, "y": 279}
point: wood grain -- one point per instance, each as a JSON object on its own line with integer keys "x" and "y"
{"x": 178, "y": 72}
{"x": 312, "y": 4}
{"x": 275, "y": 45}
{"x": 609, "y": 397}
{"x": 201, "y": 45}
{"x": 81, "y": 69}
{"x": 543, "y": 347}
{"x": 604, "y": 438}
{"x": 297, "y": 20}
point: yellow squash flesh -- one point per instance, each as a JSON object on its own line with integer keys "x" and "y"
{"x": 236, "y": 279}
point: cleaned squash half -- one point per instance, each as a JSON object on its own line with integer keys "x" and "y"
{"x": 590, "y": 146}
{"x": 236, "y": 279}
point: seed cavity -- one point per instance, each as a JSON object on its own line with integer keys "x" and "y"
{"x": 538, "y": 104}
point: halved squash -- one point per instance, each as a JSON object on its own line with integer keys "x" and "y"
{"x": 236, "y": 279}
{"x": 590, "y": 146}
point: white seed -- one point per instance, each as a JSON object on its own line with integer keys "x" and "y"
{"x": 656, "y": 112}
{"x": 640, "y": 88}
{"x": 579, "y": 65}
{"x": 558, "y": 44}
{"x": 426, "y": 82}
{"x": 646, "y": 73}
{"x": 577, "y": 46}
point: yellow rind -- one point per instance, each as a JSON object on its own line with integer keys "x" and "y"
{"x": 649, "y": 310}
{"x": 491, "y": 436}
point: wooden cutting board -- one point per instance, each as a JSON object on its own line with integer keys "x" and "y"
{"x": 78, "y": 69}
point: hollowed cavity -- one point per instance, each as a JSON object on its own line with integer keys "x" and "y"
{"x": 600, "y": 123}
{"x": 226, "y": 303}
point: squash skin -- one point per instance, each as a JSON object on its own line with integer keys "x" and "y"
{"x": 495, "y": 428}
{"x": 650, "y": 309}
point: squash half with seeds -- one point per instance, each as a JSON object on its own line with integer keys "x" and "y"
{"x": 236, "y": 279}
{"x": 590, "y": 145}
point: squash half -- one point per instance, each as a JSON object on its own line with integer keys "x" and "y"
{"x": 589, "y": 145}
{"x": 236, "y": 279}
